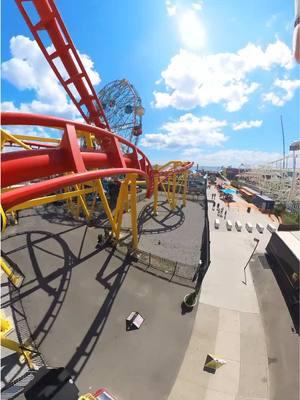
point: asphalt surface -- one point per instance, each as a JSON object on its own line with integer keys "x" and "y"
{"x": 174, "y": 235}
{"x": 76, "y": 297}
{"x": 281, "y": 338}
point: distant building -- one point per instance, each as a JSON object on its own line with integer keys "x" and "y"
{"x": 264, "y": 203}
{"x": 231, "y": 173}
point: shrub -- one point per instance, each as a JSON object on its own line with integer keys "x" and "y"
{"x": 279, "y": 209}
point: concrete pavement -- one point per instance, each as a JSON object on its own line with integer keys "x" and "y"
{"x": 229, "y": 321}
{"x": 281, "y": 338}
{"x": 76, "y": 297}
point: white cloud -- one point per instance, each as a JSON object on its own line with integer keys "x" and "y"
{"x": 286, "y": 91}
{"x": 28, "y": 70}
{"x": 246, "y": 125}
{"x": 188, "y": 130}
{"x": 27, "y": 129}
{"x": 171, "y": 8}
{"x": 197, "y": 5}
{"x": 231, "y": 157}
{"x": 193, "y": 80}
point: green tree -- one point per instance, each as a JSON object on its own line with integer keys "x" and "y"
{"x": 279, "y": 209}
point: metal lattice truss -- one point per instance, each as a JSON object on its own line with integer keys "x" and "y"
{"x": 123, "y": 109}
{"x": 279, "y": 179}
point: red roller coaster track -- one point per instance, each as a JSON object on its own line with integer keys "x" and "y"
{"x": 22, "y": 166}
{"x": 26, "y": 166}
{"x": 78, "y": 83}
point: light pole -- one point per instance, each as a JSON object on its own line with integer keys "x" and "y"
{"x": 257, "y": 242}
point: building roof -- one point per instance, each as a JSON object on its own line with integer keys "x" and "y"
{"x": 250, "y": 191}
{"x": 291, "y": 240}
{"x": 246, "y": 191}
{"x": 263, "y": 197}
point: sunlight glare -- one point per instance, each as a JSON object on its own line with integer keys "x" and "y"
{"x": 191, "y": 30}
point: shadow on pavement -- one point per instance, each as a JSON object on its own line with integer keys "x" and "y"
{"x": 161, "y": 220}
{"x": 291, "y": 297}
{"x": 91, "y": 338}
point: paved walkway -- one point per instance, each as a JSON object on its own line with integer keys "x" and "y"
{"x": 228, "y": 321}
{"x": 76, "y": 297}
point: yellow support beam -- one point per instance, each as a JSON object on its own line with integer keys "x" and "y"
{"x": 87, "y": 396}
{"x": 3, "y": 219}
{"x": 15, "y": 279}
{"x": 50, "y": 199}
{"x": 105, "y": 204}
{"x": 185, "y": 188}
{"x": 155, "y": 195}
{"x": 8, "y": 137}
{"x": 126, "y": 202}
{"x": 173, "y": 204}
{"x": 166, "y": 191}
{"x": 133, "y": 211}
{"x": 82, "y": 202}
{"x": 37, "y": 138}
{"x": 89, "y": 141}
{"x": 6, "y": 324}
{"x": 26, "y": 354}
{"x": 120, "y": 206}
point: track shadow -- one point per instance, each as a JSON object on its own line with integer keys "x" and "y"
{"x": 60, "y": 214}
{"x": 57, "y": 294}
{"x": 146, "y": 215}
{"x": 57, "y": 214}
{"x": 84, "y": 351}
{"x": 41, "y": 282}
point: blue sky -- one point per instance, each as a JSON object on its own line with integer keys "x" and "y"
{"x": 214, "y": 76}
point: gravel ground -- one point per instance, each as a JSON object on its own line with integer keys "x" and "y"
{"x": 175, "y": 235}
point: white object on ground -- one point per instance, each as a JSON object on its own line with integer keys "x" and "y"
{"x": 229, "y": 225}
{"x": 271, "y": 228}
{"x": 217, "y": 223}
{"x": 260, "y": 228}
{"x": 238, "y": 226}
{"x": 249, "y": 227}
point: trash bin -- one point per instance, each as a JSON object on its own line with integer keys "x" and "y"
{"x": 248, "y": 210}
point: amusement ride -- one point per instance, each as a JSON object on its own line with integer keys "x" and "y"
{"x": 48, "y": 170}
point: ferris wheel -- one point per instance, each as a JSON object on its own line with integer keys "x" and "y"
{"x": 123, "y": 109}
